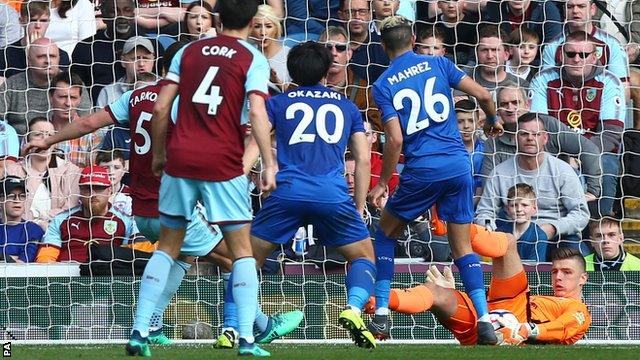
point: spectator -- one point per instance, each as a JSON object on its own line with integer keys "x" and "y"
{"x": 492, "y": 55}
{"x": 542, "y": 17}
{"x": 521, "y": 208}
{"x": 34, "y": 17}
{"x": 382, "y": 9}
{"x": 523, "y": 48}
{"x": 430, "y": 41}
{"x": 266, "y": 32}
{"x": 376, "y": 162}
{"x": 9, "y": 143}
{"x": 116, "y": 165}
{"x": 622, "y": 24}
{"x": 51, "y": 181}
{"x": 25, "y": 94}
{"x": 198, "y": 21}
{"x": 95, "y": 58}
{"x": 608, "y": 251}
{"x": 460, "y": 28}
{"x": 343, "y": 79}
{"x": 65, "y": 94}
{"x": 467, "y": 114}
{"x": 590, "y": 100}
{"x": 153, "y": 15}
{"x": 18, "y": 238}
{"x": 608, "y": 50}
{"x": 562, "y": 208}
{"x": 138, "y": 56}
{"x": 72, "y": 233}
{"x": 10, "y": 29}
{"x": 306, "y": 20}
{"x": 512, "y": 104}
{"x": 369, "y": 60}
{"x": 71, "y": 21}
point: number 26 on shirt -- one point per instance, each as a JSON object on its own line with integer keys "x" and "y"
{"x": 428, "y": 103}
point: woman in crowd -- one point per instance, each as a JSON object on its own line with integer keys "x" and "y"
{"x": 71, "y": 22}
{"x": 266, "y": 33}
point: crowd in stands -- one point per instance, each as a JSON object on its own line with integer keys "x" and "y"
{"x": 564, "y": 74}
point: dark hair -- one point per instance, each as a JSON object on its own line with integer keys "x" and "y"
{"x": 342, "y": 4}
{"x": 72, "y": 79}
{"x": 465, "y": 105}
{"x": 580, "y": 36}
{"x": 110, "y": 155}
{"x": 396, "y": 33}
{"x": 489, "y": 31}
{"x": 34, "y": 121}
{"x": 569, "y": 253}
{"x": 236, "y": 14}
{"x": 308, "y": 63}
{"x": 34, "y": 8}
{"x": 531, "y": 116}
{"x": 184, "y": 34}
{"x": 66, "y": 5}
{"x": 169, "y": 53}
{"x": 431, "y": 31}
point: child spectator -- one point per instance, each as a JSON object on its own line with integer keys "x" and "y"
{"x": 467, "y": 115}
{"x": 18, "y": 238}
{"x": 430, "y": 41}
{"x": 115, "y": 163}
{"x": 521, "y": 208}
{"x": 382, "y": 9}
{"x": 522, "y": 45}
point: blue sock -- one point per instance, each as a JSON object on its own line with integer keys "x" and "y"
{"x": 471, "y": 275}
{"x": 176, "y": 274}
{"x": 229, "y": 310}
{"x": 245, "y": 294}
{"x": 152, "y": 284}
{"x": 384, "y": 247}
{"x": 360, "y": 281}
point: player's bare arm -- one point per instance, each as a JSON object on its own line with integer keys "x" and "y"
{"x": 491, "y": 127}
{"x": 261, "y": 130}
{"x": 362, "y": 155}
{"x": 392, "y": 150}
{"x": 159, "y": 125}
{"x": 74, "y": 130}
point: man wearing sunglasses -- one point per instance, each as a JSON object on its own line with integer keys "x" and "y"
{"x": 590, "y": 100}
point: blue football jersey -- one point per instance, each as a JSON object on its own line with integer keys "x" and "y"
{"x": 417, "y": 89}
{"x": 313, "y": 125}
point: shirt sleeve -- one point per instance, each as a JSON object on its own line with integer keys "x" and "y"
{"x": 12, "y": 143}
{"x": 174, "y": 69}
{"x": 119, "y": 109}
{"x": 87, "y": 26}
{"x": 455, "y": 75}
{"x": 34, "y": 236}
{"x": 174, "y": 109}
{"x": 539, "y": 101}
{"x": 258, "y": 76}
{"x": 549, "y": 55}
{"x": 618, "y": 63}
{"x": 53, "y": 236}
{"x": 569, "y": 327}
{"x": 612, "y": 106}
{"x": 384, "y": 102}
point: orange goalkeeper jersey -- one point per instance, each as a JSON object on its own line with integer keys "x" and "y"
{"x": 560, "y": 320}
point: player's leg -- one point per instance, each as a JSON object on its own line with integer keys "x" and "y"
{"x": 385, "y": 242}
{"x": 177, "y": 200}
{"x": 456, "y": 207}
{"x": 275, "y": 225}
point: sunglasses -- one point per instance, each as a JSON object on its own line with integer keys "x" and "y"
{"x": 572, "y": 54}
{"x": 338, "y": 47}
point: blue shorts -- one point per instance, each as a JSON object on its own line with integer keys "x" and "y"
{"x": 334, "y": 225}
{"x": 225, "y": 202}
{"x": 415, "y": 196}
{"x": 200, "y": 239}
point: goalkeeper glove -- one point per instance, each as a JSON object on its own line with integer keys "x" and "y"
{"x": 516, "y": 333}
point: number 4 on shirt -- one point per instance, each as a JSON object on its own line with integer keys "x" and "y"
{"x": 208, "y": 93}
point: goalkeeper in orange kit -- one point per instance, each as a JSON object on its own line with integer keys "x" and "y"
{"x": 559, "y": 319}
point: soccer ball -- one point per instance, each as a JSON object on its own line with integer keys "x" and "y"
{"x": 505, "y": 317}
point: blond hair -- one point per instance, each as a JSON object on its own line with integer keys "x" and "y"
{"x": 267, "y": 12}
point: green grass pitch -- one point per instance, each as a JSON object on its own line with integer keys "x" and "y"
{"x": 341, "y": 352}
